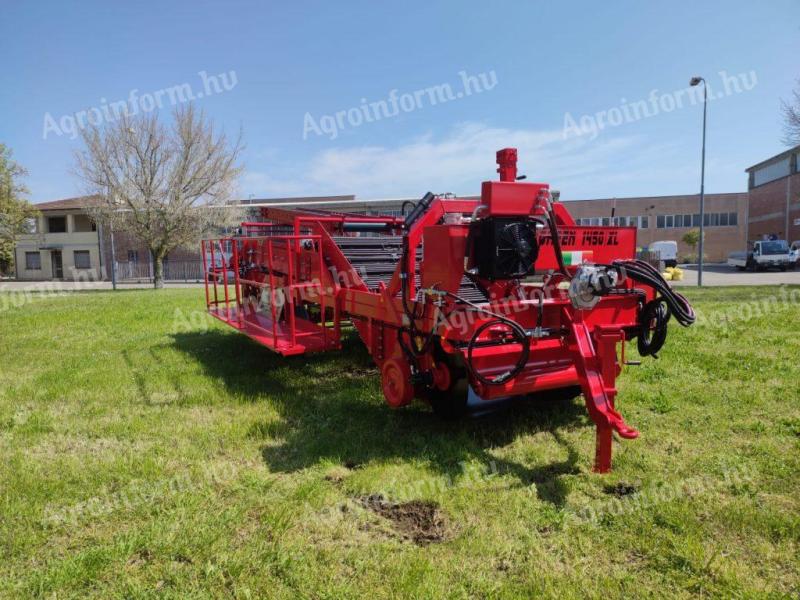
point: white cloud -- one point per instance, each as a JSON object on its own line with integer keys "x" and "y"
{"x": 460, "y": 160}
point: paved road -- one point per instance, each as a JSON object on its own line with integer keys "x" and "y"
{"x": 713, "y": 275}
{"x": 722, "y": 274}
{"x": 7, "y": 285}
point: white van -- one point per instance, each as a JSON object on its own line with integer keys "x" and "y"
{"x": 667, "y": 251}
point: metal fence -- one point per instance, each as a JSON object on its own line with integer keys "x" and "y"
{"x": 653, "y": 258}
{"x": 174, "y": 270}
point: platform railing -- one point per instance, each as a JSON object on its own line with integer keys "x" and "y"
{"x": 218, "y": 279}
{"x": 220, "y": 270}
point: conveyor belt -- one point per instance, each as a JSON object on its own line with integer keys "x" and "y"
{"x": 376, "y": 258}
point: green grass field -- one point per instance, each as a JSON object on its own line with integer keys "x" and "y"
{"x": 150, "y": 452}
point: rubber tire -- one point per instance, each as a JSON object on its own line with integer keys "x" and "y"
{"x": 450, "y": 404}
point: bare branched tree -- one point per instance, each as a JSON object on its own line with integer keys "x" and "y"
{"x": 167, "y": 185}
{"x": 791, "y": 118}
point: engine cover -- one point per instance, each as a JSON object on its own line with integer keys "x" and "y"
{"x": 505, "y": 247}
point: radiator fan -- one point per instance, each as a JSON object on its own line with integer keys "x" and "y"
{"x": 517, "y": 249}
{"x": 506, "y": 248}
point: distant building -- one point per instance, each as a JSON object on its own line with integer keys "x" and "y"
{"x": 66, "y": 244}
{"x": 659, "y": 218}
{"x": 774, "y": 197}
{"x": 62, "y": 243}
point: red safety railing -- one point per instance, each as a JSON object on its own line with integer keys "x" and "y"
{"x": 282, "y": 329}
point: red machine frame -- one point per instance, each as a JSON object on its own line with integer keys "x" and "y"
{"x": 293, "y": 286}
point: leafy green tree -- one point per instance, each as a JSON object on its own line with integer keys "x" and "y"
{"x": 691, "y": 238}
{"x": 15, "y": 210}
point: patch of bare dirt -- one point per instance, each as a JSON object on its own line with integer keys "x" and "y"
{"x": 620, "y": 489}
{"x": 417, "y": 520}
{"x": 141, "y": 557}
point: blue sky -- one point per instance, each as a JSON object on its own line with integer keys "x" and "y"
{"x": 289, "y": 65}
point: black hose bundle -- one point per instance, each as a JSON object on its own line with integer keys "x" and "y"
{"x": 656, "y": 313}
{"x": 554, "y": 235}
{"x": 520, "y": 335}
{"x": 653, "y": 329}
{"x": 643, "y": 272}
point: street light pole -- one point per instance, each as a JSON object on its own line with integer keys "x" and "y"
{"x": 113, "y": 258}
{"x": 693, "y": 82}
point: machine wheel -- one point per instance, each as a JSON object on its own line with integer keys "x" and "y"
{"x": 395, "y": 381}
{"x": 449, "y": 403}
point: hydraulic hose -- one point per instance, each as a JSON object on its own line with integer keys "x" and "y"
{"x": 551, "y": 218}
{"x": 645, "y": 273}
{"x": 653, "y": 331}
{"x": 411, "y": 312}
{"x": 520, "y": 335}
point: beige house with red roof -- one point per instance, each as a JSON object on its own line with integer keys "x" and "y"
{"x": 63, "y": 243}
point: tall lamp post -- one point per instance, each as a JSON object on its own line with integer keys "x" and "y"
{"x": 693, "y": 82}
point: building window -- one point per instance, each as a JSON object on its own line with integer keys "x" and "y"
{"x": 771, "y": 172}
{"x": 56, "y": 224}
{"x": 675, "y": 221}
{"x": 133, "y": 256}
{"x": 82, "y": 259}
{"x": 33, "y": 261}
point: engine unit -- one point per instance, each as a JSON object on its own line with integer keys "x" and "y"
{"x": 504, "y": 247}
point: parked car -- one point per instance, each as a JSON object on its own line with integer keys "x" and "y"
{"x": 667, "y": 251}
{"x": 794, "y": 254}
{"x": 764, "y": 255}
